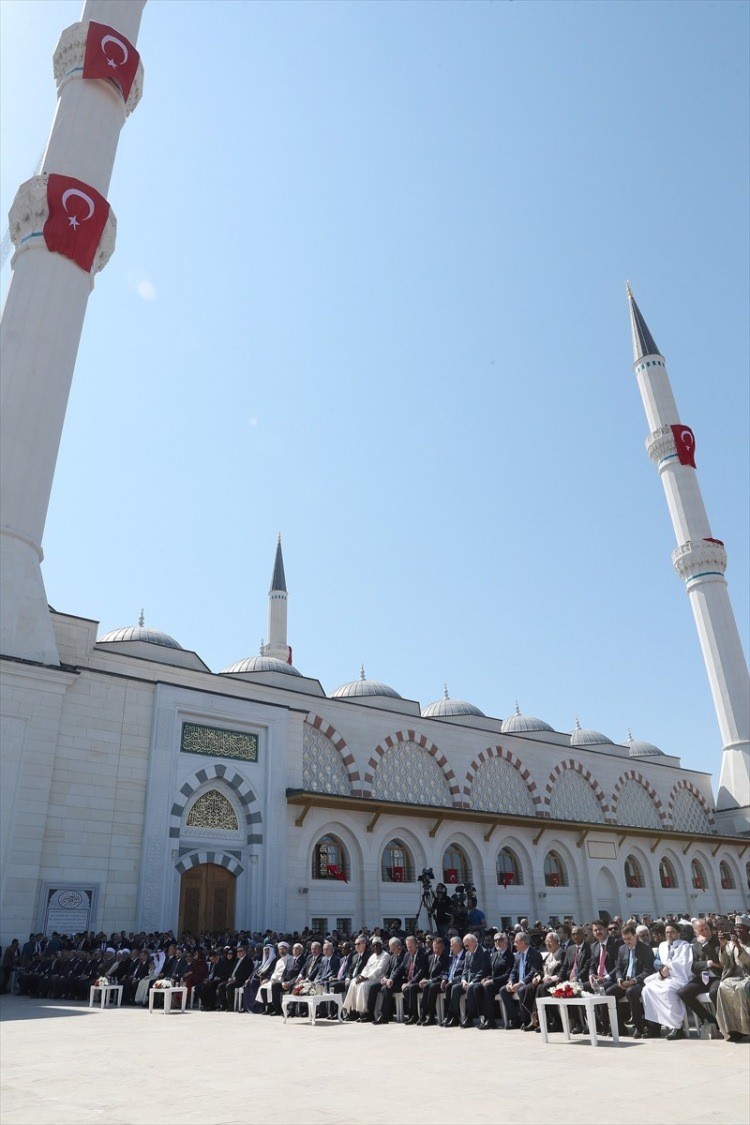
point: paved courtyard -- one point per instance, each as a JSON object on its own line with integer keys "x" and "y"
{"x": 64, "y": 1064}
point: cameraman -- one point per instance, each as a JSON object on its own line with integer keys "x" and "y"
{"x": 442, "y": 910}
{"x": 476, "y": 916}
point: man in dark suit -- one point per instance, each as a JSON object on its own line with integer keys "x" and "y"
{"x": 430, "y": 984}
{"x": 416, "y": 964}
{"x": 501, "y": 964}
{"x": 706, "y": 964}
{"x": 389, "y": 984}
{"x": 452, "y": 974}
{"x": 291, "y": 973}
{"x": 604, "y": 950}
{"x": 635, "y": 961}
{"x": 329, "y": 965}
{"x": 527, "y": 964}
{"x": 312, "y": 966}
{"x": 476, "y": 967}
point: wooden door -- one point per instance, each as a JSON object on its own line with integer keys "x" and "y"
{"x": 206, "y": 899}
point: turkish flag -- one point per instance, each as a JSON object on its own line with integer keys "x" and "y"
{"x": 110, "y": 55}
{"x": 76, "y": 220}
{"x": 397, "y": 874}
{"x": 336, "y": 873}
{"x": 451, "y": 875}
{"x": 554, "y": 879}
{"x": 684, "y": 439}
{"x": 507, "y": 878}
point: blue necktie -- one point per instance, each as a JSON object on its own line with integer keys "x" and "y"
{"x": 522, "y": 966}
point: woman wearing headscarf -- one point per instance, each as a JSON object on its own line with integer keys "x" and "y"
{"x": 660, "y": 997}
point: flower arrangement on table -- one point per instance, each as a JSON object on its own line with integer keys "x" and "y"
{"x": 305, "y": 988}
{"x": 102, "y": 982}
{"x": 164, "y": 982}
{"x": 567, "y": 991}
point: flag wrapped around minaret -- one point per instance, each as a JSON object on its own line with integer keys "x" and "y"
{"x": 110, "y": 55}
{"x": 684, "y": 440}
{"x": 77, "y": 217}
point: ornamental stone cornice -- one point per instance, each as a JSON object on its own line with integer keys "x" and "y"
{"x": 67, "y": 62}
{"x": 660, "y": 444}
{"x": 29, "y": 212}
{"x": 700, "y": 557}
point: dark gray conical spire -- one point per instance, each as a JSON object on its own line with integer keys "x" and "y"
{"x": 278, "y": 582}
{"x": 643, "y": 342}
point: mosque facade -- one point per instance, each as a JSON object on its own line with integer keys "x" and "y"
{"x": 141, "y": 790}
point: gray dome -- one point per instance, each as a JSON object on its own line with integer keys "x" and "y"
{"x": 260, "y": 664}
{"x": 139, "y": 633}
{"x": 585, "y": 736}
{"x": 642, "y": 749}
{"x": 364, "y": 687}
{"x": 520, "y": 724}
{"x": 445, "y": 707}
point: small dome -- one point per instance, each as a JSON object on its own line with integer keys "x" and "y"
{"x": 260, "y": 664}
{"x": 520, "y": 724}
{"x": 585, "y": 736}
{"x": 139, "y": 633}
{"x": 445, "y": 707}
{"x": 642, "y": 749}
{"x": 362, "y": 687}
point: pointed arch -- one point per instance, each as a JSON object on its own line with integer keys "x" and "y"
{"x": 220, "y": 858}
{"x": 684, "y": 786}
{"x": 397, "y": 741}
{"x": 338, "y": 742}
{"x": 637, "y": 776}
{"x": 242, "y": 791}
{"x": 570, "y": 764}
{"x": 506, "y": 756}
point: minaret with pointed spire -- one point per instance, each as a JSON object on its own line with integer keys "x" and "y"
{"x": 700, "y": 560}
{"x": 277, "y": 597}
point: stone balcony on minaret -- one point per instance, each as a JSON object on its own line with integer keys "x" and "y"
{"x": 700, "y": 561}
{"x": 28, "y": 214}
{"x": 68, "y": 64}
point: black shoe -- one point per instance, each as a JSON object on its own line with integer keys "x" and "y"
{"x": 467, "y": 1023}
{"x": 366, "y": 1018}
{"x": 430, "y": 1021}
{"x": 484, "y": 1026}
{"x": 528, "y": 1027}
{"x": 638, "y": 1033}
{"x": 450, "y": 1021}
{"x": 676, "y": 1033}
{"x": 410, "y": 1020}
{"x": 380, "y": 1021}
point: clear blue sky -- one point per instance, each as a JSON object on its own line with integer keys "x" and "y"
{"x": 369, "y": 291}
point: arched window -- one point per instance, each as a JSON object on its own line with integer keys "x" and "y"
{"x": 698, "y": 875}
{"x": 726, "y": 876}
{"x": 396, "y": 866}
{"x": 455, "y": 865}
{"x": 330, "y": 860}
{"x": 555, "y": 872}
{"x": 667, "y": 874}
{"x": 509, "y": 870}
{"x": 633, "y": 873}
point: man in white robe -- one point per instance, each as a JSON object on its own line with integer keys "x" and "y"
{"x": 355, "y": 1002}
{"x": 660, "y": 996}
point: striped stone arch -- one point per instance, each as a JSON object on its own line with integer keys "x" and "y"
{"x": 339, "y": 743}
{"x": 507, "y": 756}
{"x": 221, "y": 859}
{"x": 424, "y": 743}
{"x": 635, "y": 775}
{"x": 685, "y": 784}
{"x": 242, "y": 791}
{"x": 577, "y": 767}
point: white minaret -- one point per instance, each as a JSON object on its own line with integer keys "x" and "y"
{"x": 43, "y": 316}
{"x": 700, "y": 560}
{"x": 277, "y": 598}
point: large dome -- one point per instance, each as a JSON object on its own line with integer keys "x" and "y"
{"x": 364, "y": 687}
{"x": 139, "y": 633}
{"x": 637, "y": 749}
{"x": 521, "y": 724}
{"x": 585, "y": 736}
{"x": 260, "y": 664}
{"x": 446, "y": 707}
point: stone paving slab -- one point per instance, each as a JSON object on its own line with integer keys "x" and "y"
{"x": 65, "y": 1064}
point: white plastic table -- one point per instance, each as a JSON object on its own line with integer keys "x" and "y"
{"x": 312, "y": 1000}
{"x": 105, "y": 990}
{"x": 587, "y": 1000}
{"x": 179, "y": 990}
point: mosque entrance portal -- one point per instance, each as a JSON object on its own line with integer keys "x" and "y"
{"x": 207, "y": 894}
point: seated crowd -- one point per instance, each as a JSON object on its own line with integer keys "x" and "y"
{"x": 656, "y": 971}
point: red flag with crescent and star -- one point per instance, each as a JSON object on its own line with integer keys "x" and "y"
{"x": 684, "y": 440}
{"x": 110, "y": 55}
{"x": 76, "y": 220}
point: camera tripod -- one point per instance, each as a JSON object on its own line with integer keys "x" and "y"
{"x": 427, "y": 903}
